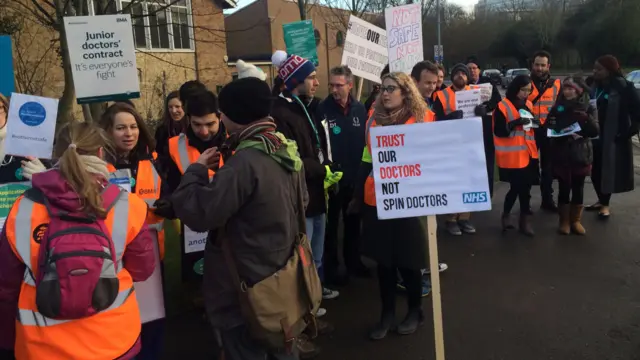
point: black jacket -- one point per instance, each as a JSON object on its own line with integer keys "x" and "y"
{"x": 291, "y": 120}
{"x": 346, "y": 135}
{"x": 11, "y": 171}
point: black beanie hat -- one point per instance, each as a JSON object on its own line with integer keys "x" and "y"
{"x": 245, "y": 100}
{"x": 460, "y": 67}
{"x": 473, "y": 60}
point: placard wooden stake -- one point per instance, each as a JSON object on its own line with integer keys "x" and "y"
{"x": 434, "y": 265}
{"x": 360, "y": 84}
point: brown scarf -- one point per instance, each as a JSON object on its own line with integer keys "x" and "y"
{"x": 397, "y": 117}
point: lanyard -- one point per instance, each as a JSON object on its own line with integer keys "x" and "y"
{"x": 598, "y": 94}
{"x": 313, "y": 126}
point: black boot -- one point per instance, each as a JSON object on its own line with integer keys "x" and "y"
{"x": 410, "y": 324}
{"x": 548, "y": 204}
{"x": 381, "y": 329}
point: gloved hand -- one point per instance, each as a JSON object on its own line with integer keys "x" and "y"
{"x": 517, "y": 122}
{"x": 481, "y": 110}
{"x": 164, "y": 208}
{"x": 354, "y": 206}
{"x": 331, "y": 178}
{"x": 536, "y": 122}
{"x": 454, "y": 115}
{"x": 33, "y": 166}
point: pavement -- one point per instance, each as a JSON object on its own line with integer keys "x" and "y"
{"x": 505, "y": 297}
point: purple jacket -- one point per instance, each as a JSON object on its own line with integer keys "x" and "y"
{"x": 138, "y": 258}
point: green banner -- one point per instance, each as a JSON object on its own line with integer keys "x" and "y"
{"x": 8, "y": 195}
{"x": 300, "y": 39}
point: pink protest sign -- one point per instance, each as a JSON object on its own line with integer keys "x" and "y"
{"x": 404, "y": 37}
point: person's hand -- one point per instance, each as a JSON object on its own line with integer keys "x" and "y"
{"x": 454, "y": 115}
{"x": 210, "y": 158}
{"x": 32, "y": 166}
{"x": 164, "y": 208}
{"x": 354, "y": 207}
{"x": 517, "y": 122}
{"x": 481, "y": 110}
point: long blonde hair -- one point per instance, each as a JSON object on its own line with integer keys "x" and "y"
{"x": 72, "y": 142}
{"x": 413, "y": 101}
{"x": 5, "y": 103}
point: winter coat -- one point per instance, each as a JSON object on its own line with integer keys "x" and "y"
{"x": 11, "y": 171}
{"x": 618, "y": 116}
{"x": 346, "y": 134}
{"x": 572, "y": 155}
{"x": 249, "y": 202}
{"x": 291, "y": 120}
{"x": 138, "y": 258}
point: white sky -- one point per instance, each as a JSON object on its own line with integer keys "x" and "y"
{"x": 466, "y": 4}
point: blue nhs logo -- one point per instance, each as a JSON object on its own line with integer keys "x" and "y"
{"x": 475, "y": 197}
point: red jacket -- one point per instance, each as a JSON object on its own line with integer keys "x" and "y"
{"x": 138, "y": 258}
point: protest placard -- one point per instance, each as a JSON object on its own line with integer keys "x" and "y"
{"x": 486, "y": 90}
{"x": 365, "y": 49}
{"x": 467, "y": 100}
{"x": 300, "y": 39}
{"x": 9, "y": 193}
{"x": 404, "y": 37}
{"x": 31, "y": 126}
{"x": 429, "y": 169}
{"x": 194, "y": 241}
{"x": 7, "y": 83}
{"x": 103, "y": 58}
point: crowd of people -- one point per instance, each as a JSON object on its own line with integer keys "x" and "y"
{"x": 254, "y": 167}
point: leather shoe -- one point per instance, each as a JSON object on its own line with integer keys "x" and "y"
{"x": 382, "y": 328}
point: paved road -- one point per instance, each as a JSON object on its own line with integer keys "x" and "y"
{"x": 504, "y": 297}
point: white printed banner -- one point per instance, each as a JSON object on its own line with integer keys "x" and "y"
{"x": 365, "y": 49}
{"x": 404, "y": 37}
{"x": 430, "y": 169}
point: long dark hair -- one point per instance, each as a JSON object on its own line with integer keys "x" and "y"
{"x": 515, "y": 85}
{"x": 146, "y": 142}
{"x": 173, "y": 127}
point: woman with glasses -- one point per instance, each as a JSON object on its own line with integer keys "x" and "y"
{"x": 399, "y": 103}
{"x": 516, "y": 150}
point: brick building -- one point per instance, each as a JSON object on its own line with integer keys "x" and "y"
{"x": 175, "y": 41}
{"x": 255, "y": 32}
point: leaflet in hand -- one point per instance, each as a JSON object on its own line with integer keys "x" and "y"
{"x": 569, "y": 130}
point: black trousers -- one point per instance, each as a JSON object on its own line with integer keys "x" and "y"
{"x": 387, "y": 280}
{"x": 338, "y": 203}
{"x": 596, "y": 174}
{"x": 237, "y": 345}
{"x": 546, "y": 170}
{"x": 571, "y": 192}
{"x": 521, "y": 192}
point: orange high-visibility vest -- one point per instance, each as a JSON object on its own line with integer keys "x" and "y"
{"x": 147, "y": 186}
{"x": 513, "y": 152}
{"x": 541, "y": 108}
{"x": 369, "y": 185}
{"x": 106, "y": 335}
{"x": 184, "y": 155}
{"x": 447, "y": 98}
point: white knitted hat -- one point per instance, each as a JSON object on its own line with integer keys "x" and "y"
{"x": 249, "y": 70}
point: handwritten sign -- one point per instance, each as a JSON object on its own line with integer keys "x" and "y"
{"x": 486, "y": 90}
{"x": 429, "y": 169}
{"x": 467, "y": 100}
{"x": 404, "y": 37}
{"x": 365, "y": 49}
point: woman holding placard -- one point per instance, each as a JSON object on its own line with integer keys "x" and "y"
{"x": 516, "y": 150}
{"x": 133, "y": 166}
{"x": 399, "y": 103}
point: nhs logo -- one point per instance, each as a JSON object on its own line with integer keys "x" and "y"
{"x": 475, "y": 197}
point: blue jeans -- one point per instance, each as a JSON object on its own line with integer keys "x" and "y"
{"x": 315, "y": 232}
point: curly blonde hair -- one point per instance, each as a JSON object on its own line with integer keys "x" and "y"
{"x": 413, "y": 101}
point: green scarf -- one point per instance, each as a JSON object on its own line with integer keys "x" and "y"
{"x": 263, "y": 137}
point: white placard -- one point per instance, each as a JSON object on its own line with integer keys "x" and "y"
{"x": 467, "y": 100}
{"x": 149, "y": 292}
{"x": 31, "y": 126}
{"x": 122, "y": 178}
{"x": 404, "y": 37}
{"x": 569, "y": 130}
{"x": 430, "y": 169}
{"x": 194, "y": 241}
{"x": 486, "y": 90}
{"x": 103, "y": 58}
{"x": 365, "y": 49}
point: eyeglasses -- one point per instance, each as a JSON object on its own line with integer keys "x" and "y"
{"x": 389, "y": 89}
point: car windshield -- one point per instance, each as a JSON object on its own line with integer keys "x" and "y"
{"x": 520, "y": 72}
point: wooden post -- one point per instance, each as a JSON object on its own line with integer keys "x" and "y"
{"x": 359, "y": 90}
{"x": 432, "y": 227}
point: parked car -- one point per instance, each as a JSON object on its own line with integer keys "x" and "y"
{"x": 494, "y": 75}
{"x": 511, "y": 73}
{"x": 634, "y": 77}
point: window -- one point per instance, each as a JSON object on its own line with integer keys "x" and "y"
{"x": 157, "y": 24}
{"x": 340, "y": 38}
{"x": 316, "y": 33}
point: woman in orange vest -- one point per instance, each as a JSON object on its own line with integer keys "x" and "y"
{"x": 76, "y": 186}
{"x": 516, "y": 150}
{"x": 399, "y": 103}
{"x": 133, "y": 166}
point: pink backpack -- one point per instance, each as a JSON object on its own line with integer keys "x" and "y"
{"x": 77, "y": 262}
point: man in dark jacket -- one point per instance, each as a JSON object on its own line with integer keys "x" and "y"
{"x": 489, "y": 149}
{"x": 345, "y": 120}
{"x": 250, "y": 204}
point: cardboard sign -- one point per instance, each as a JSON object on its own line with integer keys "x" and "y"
{"x": 365, "y": 49}
{"x": 31, "y": 126}
{"x": 300, "y": 39}
{"x": 467, "y": 100}
{"x": 430, "y": 169}
{"x": 103, "y": 58}
{"x": 404, "y": 37}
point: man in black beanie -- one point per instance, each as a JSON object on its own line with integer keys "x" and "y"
{"x": 253, "y": 197}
